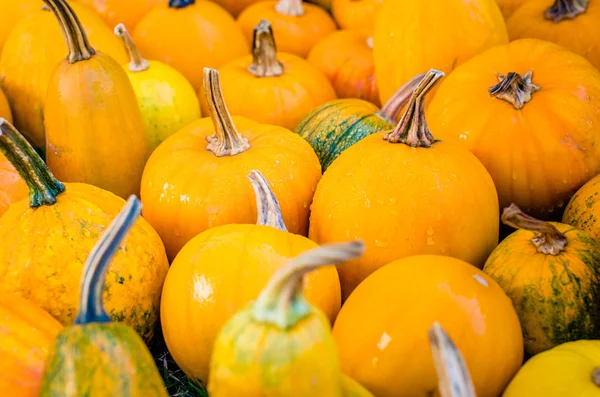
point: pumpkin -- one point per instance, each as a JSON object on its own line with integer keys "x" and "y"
{"x": 94, "y": 128}
{"x": 381, "y": 331}
{"x": 224, "y": 268}
{"x": 127, "y": 12}
{"x": 271, "y": 87}
{"x": 572, "y": 24}
{"x": 12, "y": 12}
{"x": 27, "y": 334}
{"x": 95, "y": 356}
{"x": 536, "y": 103}
{"x": 508, "y": 7}
{"x": 355, "y": 14}
{"x": 582, "y": 209}
{"x": 167, "y": 100}
{"x": 408, "y": 194}
{"x": 58, "y": 225}
{"x": 335, "y": 126}
{"x": 31, "y": 53}
{"x": 189, "y": 35}
{"x": 12, "y": 187}
{"x": 351, "y": 388}
{"x": 346, "y": 58}
{"x": 550, "y": 272}
{"x": 235, "y": 7}
{"x": 280, "y": 345}
{"x": 325, "y": 4}
{"x": 298, "y": 26}
{"x": 571, "y": 369}
{"x": 192, "y": 180}
{"x": 412, "y": 36}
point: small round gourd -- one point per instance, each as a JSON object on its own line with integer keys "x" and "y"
{"x": 583, "y": 209}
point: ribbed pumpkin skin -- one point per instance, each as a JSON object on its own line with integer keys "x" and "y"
{"x": 12, "y": 12}
{"x": 27, "y": 334}
{"x": 54, "y": 240}
{"x": 583, "y": 210}
{"x": 335, "y": 126}
{"x": 556, "y": 297}
{"x": 508, "y": 7}
{"x": 114, "y": 12}
{"x": 413, "y": 36}
{"x": 355, "y": 14}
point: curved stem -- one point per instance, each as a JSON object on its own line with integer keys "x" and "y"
{"x": 291, "y": 8}
{"x": 267, "y": 205}
{"x": 391, "y": 110}
{"x": 596, "y": 376}
{"x": 453, "y": 374}
{"x": 44, "y": 188}
{"x": 514, "y": 89}
{"x": 75, "y": 36}
{"x": 180, "y": 3}
{"x": 137, "y": 63}
{"x": 227, "y": 141}
{"x": 547, "y": 239}
{"x": 565, "y": 9}
{"x": 281, "y": 302}
{"x": 412, "y": 129}
{"x": 264, "y": 52}
{"x": 91, "y": 305}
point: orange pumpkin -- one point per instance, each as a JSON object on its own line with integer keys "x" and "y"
{"x": 270, "y": 87}
{"x": 12, "y": 12}
{"x": 190, "y": 185}
{"x": 12, "y": 187}
{"x": 346, "y": 58}
{"x": 355, "y": 14}
{"x": 190, "y": 35}
{"x": 508, "y": 7}
{"x": 128, "y": 12}
{"x": 382, "y": 330}
{"x": 235, "y": 6}
{"x": 28, "y": 332}
{"x": 223, "y": 269}
{"x": 413, "y": 36}
{"x": 519, "y": 108}
{"x": 572, "y": 24}
{"x": 297, "y": 26}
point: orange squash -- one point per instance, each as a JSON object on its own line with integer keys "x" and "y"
{"x": 413, "y": 36}
{"x": 33, "y": 50}
{"x": 572, "y": 24}
{"x": 355, "y": 14}
{"x": 27, "y": 335}
{"x": 346, "y": 58}
{"x": 192, "y": 180}
{"x": 12, "y": 12}
{"x": 583, "y": 209}
{"x": 190, "y": 35}
{"x": 407, "y": 194}
{"x": 508, "y": 7}
{"x": 298, "y": 26}
{"x": 535, "y": 103}
{"x": 127, "y": 12}
{"x": 223, "y": 269}
{"x": 381, "y": 331}
{"x": 270, "y": 87}
{"x": 235, "y": 7}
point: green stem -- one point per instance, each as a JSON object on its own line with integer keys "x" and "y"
{"x": 44, "y": 188}
{"x": 391, "y": 110}
{"x": 75, "y": 36}
{"x": 514, "y": 89}
{"x": 137, "y": 63}
{"x": 264, "y": 52}
{"x": 565, "y": 9}
{"x": 91, "y": 305}
{"x": 267, "y": 205}
{"x": 181, "y": 3}
{"x": 292, "y": 8}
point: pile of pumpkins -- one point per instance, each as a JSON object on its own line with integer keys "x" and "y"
{"x": 322, "y": 190}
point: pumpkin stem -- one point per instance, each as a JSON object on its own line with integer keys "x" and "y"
{"x": 180, "y": 3}
{"x": 44, "y": 188}
{"x": 596, "y": 377}
{"x": 452, "y": 372}
{"x": 292, "y": 8}
{"x": 91, "y": 305}
{"x": 75, "y": 36}
{"x": 391, "y": 110}
{"x": 412, "y": 129}
{"x": 267, "y": 205}
{"x": 227, "y": 141}
{"x": 281, "y": 302}
{"x": 264, "y": 52}
{"x": 137, "y": 63}
{"x": 547, "y": 239}
{"x": 565, "y": 9}
{"x": 514, "y": 89}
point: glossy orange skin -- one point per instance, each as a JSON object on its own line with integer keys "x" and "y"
{"x": 235, "y": 7}
{"x": 347, "y": 60}
{"x": 283, "y": 100}
{"x": 508, "y": 7}
{"x": 382, "y": 330}
{"x": 579, "y": 35}
{"x": 217, "y": 274}
{"x": 355, "y": 14}
{"x": 186, "y": 189}
{"x": 191, "y": 38}
{"x": 293, "y": 34}
{"x": 114, "y": 12}
{"x": 540, "y": 155}
{"x": 12, "y": 12}
{"x": 28, "y": 333}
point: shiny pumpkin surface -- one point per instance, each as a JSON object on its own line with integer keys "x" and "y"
{"x": 217, "y": 274}
{"x": 355, "y": 14}
{"x": 114, "y": 12}
{"x": 561, "y": 121}
{"x": 346, "y": 58}
{"x": 583, "y": 209}
{"x": 27, "y": 334}
{"x": 412, "y": 36}
{"x": 391, "y": 359}
{"x": 508, "y": 7}
{"x": 235, "y": 7}
{"x": 12, "y": 12}
{"x": 55, "y": 240}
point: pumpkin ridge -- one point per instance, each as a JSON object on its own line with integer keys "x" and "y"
{"x": 328, "y": 155}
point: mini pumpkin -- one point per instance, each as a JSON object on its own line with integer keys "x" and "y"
{"x": 127, "y": 12}
{"x": 583, "y": 209}
{"x": 12, "y": 187}
{"x": 355, "y": 14}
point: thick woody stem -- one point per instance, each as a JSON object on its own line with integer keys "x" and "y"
{"x": 514, "y": 89}
{"x": 565, "y": 9}
{"x": 264, "y": 52}
{"x": 267, "y": 205}
{"x": 77, "y": 42}
{"x": 291, "y": 8}
{"x": 137, "y": 63}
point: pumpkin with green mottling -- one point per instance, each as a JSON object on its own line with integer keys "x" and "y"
{"x": 550, "y": 272}
{"x": 583, "y": 210}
